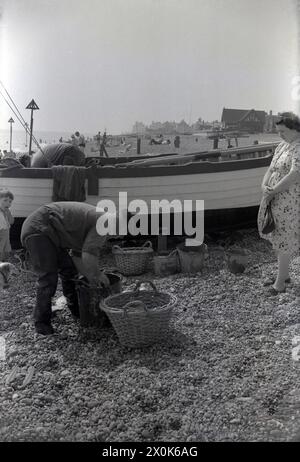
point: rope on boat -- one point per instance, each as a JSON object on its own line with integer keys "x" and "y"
{"x": 18, "y": 115}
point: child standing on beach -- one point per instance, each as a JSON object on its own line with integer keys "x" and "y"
{"x": 6, "y": 220}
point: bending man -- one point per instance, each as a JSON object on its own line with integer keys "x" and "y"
{"x": 48, "y": 234}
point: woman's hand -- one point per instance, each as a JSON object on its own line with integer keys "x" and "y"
{"x": 268, "y": 193}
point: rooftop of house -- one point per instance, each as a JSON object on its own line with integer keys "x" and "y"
{"x": 237, "y": 115}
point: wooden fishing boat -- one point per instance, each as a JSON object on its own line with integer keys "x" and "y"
{"x": 228, "y": 181}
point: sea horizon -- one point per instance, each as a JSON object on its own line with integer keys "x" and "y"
{"x": 42, "y": 136}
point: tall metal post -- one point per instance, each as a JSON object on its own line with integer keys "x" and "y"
{"x": 11, "y": 121}
{"x": 33, "y": 106}
{"x": 26, "y": 132}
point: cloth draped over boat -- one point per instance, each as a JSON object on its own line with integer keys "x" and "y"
{"x": 58, "y": 154}
{"x": 68, "y": 183}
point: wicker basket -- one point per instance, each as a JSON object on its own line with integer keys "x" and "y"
{"x": 132, "y": 261}
{"x": 140, "y": 317}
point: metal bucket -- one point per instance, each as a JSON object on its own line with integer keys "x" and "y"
{"x": 191, "y": 258}
{"x": 89, "y": 299}
{"x": 237, "y": 260}
{"x": 166, "y": 263}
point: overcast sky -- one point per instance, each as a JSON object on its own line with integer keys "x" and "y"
{"x": 95, "y": 64}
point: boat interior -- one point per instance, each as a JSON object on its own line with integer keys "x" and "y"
{"x": 243, "y": 153}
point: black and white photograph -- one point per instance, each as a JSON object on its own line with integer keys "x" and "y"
{"x": 149, "y": 223}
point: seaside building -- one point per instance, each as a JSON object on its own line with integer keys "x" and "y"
{"x": 200, "y": 125}
{"x": 173, "y": 128}
{"x": 139, "y": 128}
{"x": 248, "y": 120}
{"x": 155, "y": 126}
{"x": 183, "y": 128}
{"x": 270, "y": 123}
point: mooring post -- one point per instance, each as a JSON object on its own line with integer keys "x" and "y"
{"x": 138, "y": 146}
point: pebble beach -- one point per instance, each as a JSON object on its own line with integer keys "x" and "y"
{"x": 227, "y": 371}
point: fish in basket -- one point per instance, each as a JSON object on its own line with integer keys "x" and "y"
{"x": 140, "y": 317}
{"x": 132, "y": 261}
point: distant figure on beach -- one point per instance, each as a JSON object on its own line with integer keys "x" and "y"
{"x": 58, "y": 154}
{"x": 177, "y": 141}
{"x": 78, "y": 140}
{"x": 127, "y": 149}
{"x": 281, "y": 189}
{"x": 102, "y": 146}
{"x": 158, "y": 141}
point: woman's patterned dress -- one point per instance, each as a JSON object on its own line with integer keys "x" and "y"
{"x": 286, "y": 204}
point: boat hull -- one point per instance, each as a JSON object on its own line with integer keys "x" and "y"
{"x": 219, "y": 190}
{"x": 230, "y": 189}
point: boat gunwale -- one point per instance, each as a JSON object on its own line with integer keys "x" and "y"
{"x": 191, "y": 168}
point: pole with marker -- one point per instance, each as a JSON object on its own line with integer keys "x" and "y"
{"x": 33, "y": 106}
{"x": 11, "y": 121}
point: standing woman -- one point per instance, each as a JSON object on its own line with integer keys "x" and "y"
{"x": 281, "y": 185}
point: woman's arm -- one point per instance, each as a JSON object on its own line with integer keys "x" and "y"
{"x": 266, "y": 178}
{"x": 270, "y": 170}
{"x": 292, "y": 177}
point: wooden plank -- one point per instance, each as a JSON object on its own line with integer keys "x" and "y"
{"x": 233, "y": 188}
{"x": 157, "y": 181}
